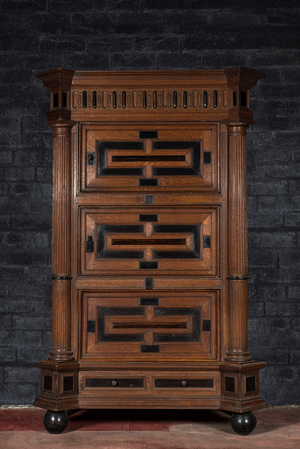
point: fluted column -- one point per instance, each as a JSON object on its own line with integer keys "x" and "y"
{"x": 237, "y": 245}
{"x": 61, "y": 243}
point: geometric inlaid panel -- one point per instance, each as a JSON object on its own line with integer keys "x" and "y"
{"x": 156, "y": 159}
{"x": 146, "y": 326}
{"x": 142, "y": 242}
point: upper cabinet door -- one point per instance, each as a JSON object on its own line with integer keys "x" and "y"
{"x": 143, "y": 158}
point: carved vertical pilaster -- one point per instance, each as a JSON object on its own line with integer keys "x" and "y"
{"x": 61, "y": 243}
{"x": 59, "y": 82}
{"x": 237, "y": 245}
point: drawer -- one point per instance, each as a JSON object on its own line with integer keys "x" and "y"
{"x": 139, "y": 326}
{"x": 187, "y": 383}
{"x": 140, "y": 158}
{"x": 150, "y": 242}
{"x": 154, "y": 383}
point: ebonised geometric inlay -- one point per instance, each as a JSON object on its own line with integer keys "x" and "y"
{"x": 250, "y": 384}
{"x": 148, "y": 135}
{"x": 91, "y": 326}
{"x": 206, "y": 325}
{"x": 149, "y": 218}
{"x": 55, "y": 100}
{"x": 103, "y": 254}
{"x": 104, "y": 312}
{"x": 155, "y": 325}
{"x": 193, "y": 253}
{"x": 206, "y": 241}
{"x": 148, "y": 182}
{"x": 178, "y": 383}
{"x": 230, "y": 384}
{"x": 149, "y": 301}
{"x": 141, "y": 157}
{"x": 149, "y": 348}
{"x": 48, "y": 383}
{"x": 104, "y": 146}
{"x": 179, "y": 171}
{"x": 148, "y": 199}
{"x": 148, "y": 265}
{"x": 84, "y": 99}
{"x": 207, "y": 157}
{"x": 68, "y": 383}
{"x": 122, "y": 383}
{"x": 149, "y": 283}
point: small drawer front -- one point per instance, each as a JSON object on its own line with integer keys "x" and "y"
{"x": 139, "y": 242}
{"x": 155, "y": 159}
{"x": 114, "y": 382}
{"x": 184, "y": 383}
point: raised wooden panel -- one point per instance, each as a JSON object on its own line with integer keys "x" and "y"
{"x": 145, "y": 242}
{"x": 156, "y": 159}
{"x": 141, "y": 326}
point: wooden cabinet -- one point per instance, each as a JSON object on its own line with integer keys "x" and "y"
{"x": 149, "y": 243}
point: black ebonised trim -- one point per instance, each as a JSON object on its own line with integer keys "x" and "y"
{"x": 148, "y": 135}
{"x": 91, "y": 326}
{"x": 194, "y": 336}
{"x": 237, "y": 278}
{"x": 103, "y": 146}
{"x": 148, "y": 265}
{"x": 207, "y": 157}
{"x": 55, "y": 100}
{"x": 148, "y": 199}
{"x": 84, "y": 99}
{"x": 68, "y": 383}
{"x": 149, "y": 283}
{"x": 206, "y": 241}
{"x": 107, "y": 311}
{"x": 230, "y": 384}
{"x": 178, "y": 171}
{"x": 148, "y": 182}
{"x": 206, "y": 325}
{"x": 186, "y": 383}
{"x": 250, "y": 384}
{"x": 48, "y": 383}
{"x": 149, "y": 301}
{"x": 148, "y": 217}
{"x": 121, "y": 383}
{"x": 61, "y": 278}
{"x": 150, "y": 348}
{"x": 103, "y": 254}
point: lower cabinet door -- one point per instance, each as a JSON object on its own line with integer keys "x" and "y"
{"x": 149, "y": 326}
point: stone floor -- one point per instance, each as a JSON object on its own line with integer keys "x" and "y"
{"x": 22, "y": 428}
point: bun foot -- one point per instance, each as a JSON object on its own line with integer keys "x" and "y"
{"x": 55, "y": 422}
{"x": 243, "y": 423}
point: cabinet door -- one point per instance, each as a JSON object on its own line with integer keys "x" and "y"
{"x": 145, "y": 325}
{"x": 142, "y": 241}
{"x": 139, "y": 158}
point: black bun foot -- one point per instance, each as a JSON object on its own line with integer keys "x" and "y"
{"x": 243, "y": 423}
{"x": 55, "y": 422}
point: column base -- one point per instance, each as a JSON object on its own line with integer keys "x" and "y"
{"x": 59, "y": 385}
{"x": 240, "y": 386}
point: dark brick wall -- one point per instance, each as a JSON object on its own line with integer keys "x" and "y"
{"x": 149, "y": 34}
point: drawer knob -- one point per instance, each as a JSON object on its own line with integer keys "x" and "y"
{"x": 114, "y": 383}
{"x": 184, "y": 383}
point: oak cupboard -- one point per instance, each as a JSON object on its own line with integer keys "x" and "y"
{"x": 149, "y": 243}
